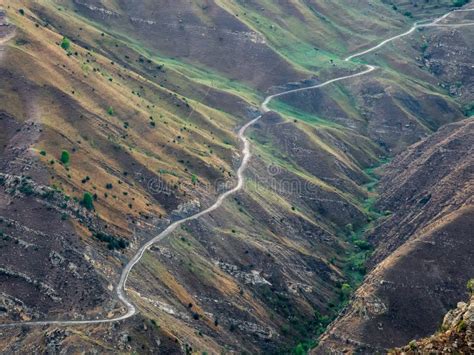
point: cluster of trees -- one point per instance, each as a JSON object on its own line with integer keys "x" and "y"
{"x": 113, "y": 243}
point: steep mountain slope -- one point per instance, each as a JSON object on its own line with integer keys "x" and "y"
{"x": 421, "y": 9}
{"x": 259, "y": 42}
{"x": 138, "y": 104}
{"x": 456, "y": 335}
{"x": 423, "y": 257}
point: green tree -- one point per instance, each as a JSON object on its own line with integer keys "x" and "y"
{"x": 459, "y": 3}
{"x": 346, "y": 291}
{"x": 300, "y": 350}
{"x": 65, "y": 43}
{"x": 88, "y": 201}
{"x": 65, "y": 157}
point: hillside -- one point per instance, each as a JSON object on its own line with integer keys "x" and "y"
{"x": 421, "y": 260}
{"x": 118, "y": 118}
{"x": 456, "y": 335}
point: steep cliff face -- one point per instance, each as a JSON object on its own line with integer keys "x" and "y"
{"x": 455, "y": 337}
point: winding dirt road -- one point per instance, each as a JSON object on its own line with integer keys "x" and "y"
{"x": 121, "y": 287}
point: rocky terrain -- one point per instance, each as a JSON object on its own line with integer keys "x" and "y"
{"x": 119, "y": 117}
{"x": 455, "y": 337}
{"x": 426, "y": 257}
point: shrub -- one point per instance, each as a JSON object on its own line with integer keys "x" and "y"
{"x": 43, "y": 153}
{"x": 346, "y": 291}
{"x": 21, "y": 42}
{"x": 65, "y": 157}
{"x": 87, "y": 201}
{"x": 112, "y": 242}
{"x": 110, "y": 111}
{"x": 469, "y": 110}
{"x": 109, "y": 186}
{"x": 65, "y": 43}
{"x": 470, "y": 286}
{"x": 362, "y": 244}
{"x": 26, "y": 188}
{"x": 300, "y": 350}
{"x": 22, "y": 12}
{"x": 459, "y": 3}
{"x": 462, "y": 326}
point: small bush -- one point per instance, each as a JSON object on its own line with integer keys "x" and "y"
{"x": 469, "y": 110}
{"x": 21, "y": 42}
{"x": 300, "y": 350}
{"x": 470, "y": 286}
{"x": 362, "y": 244}
{"x": 112, "y": 242}
{"x": 460, "y": 3}
{"x": 65, "y": 157}
{"x": 110, "y": 111}
{"x": 346, "y": 291}
{"x": 65, "y": 43}
{"x": 22, "y": 12}
{"x": 462, "y": 326}
{"x": 87, "y": 201}
{"x": 26, "y": 189}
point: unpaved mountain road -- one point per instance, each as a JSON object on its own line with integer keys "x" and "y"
{"x": 121, "y": 287}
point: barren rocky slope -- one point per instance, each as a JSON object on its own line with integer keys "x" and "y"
{"x": 423, "y": 250}
{"x": 455, "y": 337}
